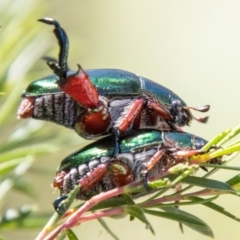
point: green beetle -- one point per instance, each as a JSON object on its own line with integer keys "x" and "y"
{"x": 145, "y": 154}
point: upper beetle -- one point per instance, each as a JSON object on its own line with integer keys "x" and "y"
{"x": 102, "y": 101}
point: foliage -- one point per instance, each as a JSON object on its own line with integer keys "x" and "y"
{"x": 20, "y": 141}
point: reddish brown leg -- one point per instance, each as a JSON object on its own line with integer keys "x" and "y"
{"x": 151, "y": 164}
{"x": 81, "y": 89}
{"x": 121, "y": 173}
{"x": 93, "y": 122}
{"x": 129, "y": 117}
{"x": 93, "y": 177}
{"x": 161, "y": 111}
{"x": 186, "y": 153}
{"x": 155, "y": 159}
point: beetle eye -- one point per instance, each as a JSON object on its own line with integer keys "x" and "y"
{"x": 176, "y": 107}
{"x": 199, "y": 145}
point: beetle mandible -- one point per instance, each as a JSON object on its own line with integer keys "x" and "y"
{"x": 101, "y": 101}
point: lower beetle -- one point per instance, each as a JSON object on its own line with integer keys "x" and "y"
{"x": 143, "y": 155}
{"x": 101, "y": 101}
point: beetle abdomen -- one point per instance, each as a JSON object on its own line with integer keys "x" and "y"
{"x": 58, "y": 108}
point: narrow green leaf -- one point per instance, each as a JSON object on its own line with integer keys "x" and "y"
{"x": 128, "y": 199}
{"x": 22, "y": 219}
{"x": 105, "y": 226}
{"x": 25, "y": 187}
{"x": 138, "y": 213}
{"x": 184, "y": 218}
{"x": 219, "y": 209}
{"x": 110, "y": 203}
{"x": 220, "y": 166}
{"x": 234, "y": 182}
{"x": 7, "y": 167}
{"x": 71, "y": 235}
{"x": 206, "y": 183}
{"x": 26, "y": 151}
{"x": 186, "y": 214}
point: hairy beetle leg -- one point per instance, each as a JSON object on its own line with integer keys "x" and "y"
{"x": 93, "y": 177}
{"x": 150, "y": 165}
{"x": 187, "y": 153}
{"x": 159, "y": 110}
{"x": 131, "y": 114}
{"x": 122, "y": 125}
{"x": 80, "y": 88}
{"x": 121, "y": 174}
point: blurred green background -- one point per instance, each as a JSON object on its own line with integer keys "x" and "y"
{"x": 191, "y": 47}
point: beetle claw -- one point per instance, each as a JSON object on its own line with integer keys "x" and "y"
{"x": 57, "y": 202}
{"x": 145, "y": 180}
{"x": 61, "y": 69}
{"x": 49, "y": 21}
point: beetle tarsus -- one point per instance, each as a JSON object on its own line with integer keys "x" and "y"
{"x": 116, "y": 150}
{"x": 57, "y": 202}
{"x": 145, "y": 181}
{"x": 49, "y": 21}
{"x": 63, "y": 43}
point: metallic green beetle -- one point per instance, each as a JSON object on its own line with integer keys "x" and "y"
{"x": 146, "y": 154}
{"x": 99, "y": 102}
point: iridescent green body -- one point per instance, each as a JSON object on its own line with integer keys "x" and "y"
{"x": 135, "y": 143}
{"x": 109, "y": 83}
{"x": 96, "y": 170}
{"x": 122, "y": 95}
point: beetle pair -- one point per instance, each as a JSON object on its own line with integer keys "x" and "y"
{"x": 101, "y": 101}
{"x": 98, "y": 102}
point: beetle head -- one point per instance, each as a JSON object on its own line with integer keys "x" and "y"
{"x": 182, "y": 115}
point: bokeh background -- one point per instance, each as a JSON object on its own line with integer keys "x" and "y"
{"x": 191, "y": 47}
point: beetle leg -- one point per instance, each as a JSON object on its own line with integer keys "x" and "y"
{"x": 80, "y": 88}
{"x": 160, "y": 110}
{"x": 150, "y": 165}
{"x": 129, "y": 114}
{"x": 186, "y": 153}
{"x": 77, "y": 85}
{"x": 58, "y": 201}
{"x": 125, "y": 120}
{"x": 93, "y": 177}
{"x": 61, "y": 68}
{"x": 116, "y": 150}
{"x": 93, "y": 122}
{"x": 121, "y": 174}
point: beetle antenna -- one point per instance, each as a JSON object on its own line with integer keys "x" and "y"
{"x": 201, "y": 119}
{"x": 199, "y": 109}
{"x": 63, "y": 43}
